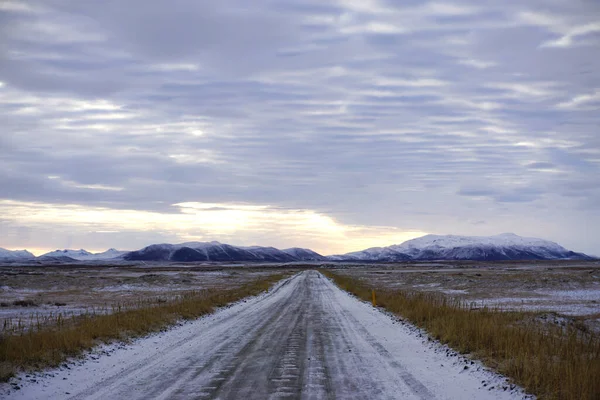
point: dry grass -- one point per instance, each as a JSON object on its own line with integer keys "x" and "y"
{"x": 48, "y": 343}
{"x": 548, "y": 361}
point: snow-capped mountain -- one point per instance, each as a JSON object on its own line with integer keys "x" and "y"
{"x": 372, "y": 254}
{"x": 105, "y": 255}
{"x": 83, "y": 255}
{"x": 74, "y": 254}
{"x": 506, "y": 246}
{"x": 304, "y": 254}
{"x": 15, "y": 255}
{"x": 212, "y": 251}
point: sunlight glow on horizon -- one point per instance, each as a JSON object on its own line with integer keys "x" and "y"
{"x": 235, "y": 224}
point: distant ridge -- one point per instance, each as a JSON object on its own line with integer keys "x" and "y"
{"x": 215, "y": 251}
{"x": 81, "y": 255}
{"x": 15, "y": 255}
{"x": 304, "y": 254}
{"x": 506, "y": 246}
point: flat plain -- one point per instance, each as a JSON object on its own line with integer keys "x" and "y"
{"x": 302, "y": 338}
{"x": 29, "y": 294}
{"x": 561, "y": 291}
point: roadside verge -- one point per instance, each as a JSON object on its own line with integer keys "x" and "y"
{"x": 49, "y": 345}
{"x": 548, "y": 361}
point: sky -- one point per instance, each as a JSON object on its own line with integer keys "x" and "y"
{"x": 335, "y": 125}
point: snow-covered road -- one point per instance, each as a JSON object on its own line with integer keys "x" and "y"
{"x": 304, "y": 339}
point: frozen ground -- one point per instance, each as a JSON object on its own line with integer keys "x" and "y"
{"x": 568, "y": 288}
{"x": 581, "y": 302}
{"x": 50, "y": 290}
{"x": 304, "y": 339}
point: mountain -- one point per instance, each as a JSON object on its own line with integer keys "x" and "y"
{"x": 269, "y": 253}
{"x": 506, "y": 246}
{"x": 105, "y": 255}
{"x": 74, "y": 254}
{"x": 373, "y": 254}
{"x": 81, "y": 255}
{"x": 15, "y": 255}
{"x": 304, "y": 254}
{"x": 215, "y": 251}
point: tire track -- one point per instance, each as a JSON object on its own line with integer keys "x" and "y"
{"x": 258, "y": 358}
{"x": 346, "y": 331}
{"x": 153, "y": 384}
{"x": 317, "y": 380}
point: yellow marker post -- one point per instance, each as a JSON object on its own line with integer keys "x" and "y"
{"x": 374, "y": 302}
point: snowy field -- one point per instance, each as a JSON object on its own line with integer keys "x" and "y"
{"x": 28, "y": 293}
{"x": 304, "y": 339}
{"x": 569, "y": 289}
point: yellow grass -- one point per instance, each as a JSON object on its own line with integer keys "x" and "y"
{"x": 49, "y": 343}
{"x": 552, "y": 362}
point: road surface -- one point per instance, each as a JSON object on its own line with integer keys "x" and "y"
{"x": 305, "y": 339}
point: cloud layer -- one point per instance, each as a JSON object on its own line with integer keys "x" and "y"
{"x": 384, "y": 119}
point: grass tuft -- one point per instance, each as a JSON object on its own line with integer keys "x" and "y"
{"x": 552, "y": 362}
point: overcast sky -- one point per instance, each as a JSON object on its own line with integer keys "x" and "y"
{"x": 334, "y": 125}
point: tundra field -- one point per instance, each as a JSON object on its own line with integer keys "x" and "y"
{"x": 564, "y": 290}
{"x": 100, "y": 331}
{"x": 32, "y": 293}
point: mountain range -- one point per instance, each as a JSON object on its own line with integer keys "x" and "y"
{"x": 83, "y": 255}
{"x": 59, "y": 255}
{"x": 215, "y": 251}
{"x": 507, "y": 246}
{"x": 15, "y": 255}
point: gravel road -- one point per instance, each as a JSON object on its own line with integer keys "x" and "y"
{"x": 304, "y": 339}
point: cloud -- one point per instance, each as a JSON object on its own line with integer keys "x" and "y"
{"x": 531, "y": 89}
{"x": 78, "y": 185}
{"x": 567, "y": 40}
{"x": 582, "y": 99}
{"x": 476, "y": 192}
{"x": 522, "y": 194}
{"x": 239, "y": 223}
{"x": 477, "y": 63}
{"x": 540, "y": 165}
{"x": 374, "y": 114}
{"x": 562, "y": 25}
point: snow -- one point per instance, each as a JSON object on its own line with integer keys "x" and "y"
{"x": 429, "y": 247}
{"x": 454, "y": 291}
{"x": 107, "y": 255}
{"x": 454, "y": 247}
{"x": 215, "y": 251}
{"x": 569, "y": 302}
{"x": 304, "y": 338}
{"x": 9, "y": 255}
{"x": 453, "y": 241}
{"x": 303, "y": 254}
{"x": 84, "y": 255}
{"x": 67, "y": 253}
{"x": 578, "y": 294}
{"x": 196, "y": 245}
